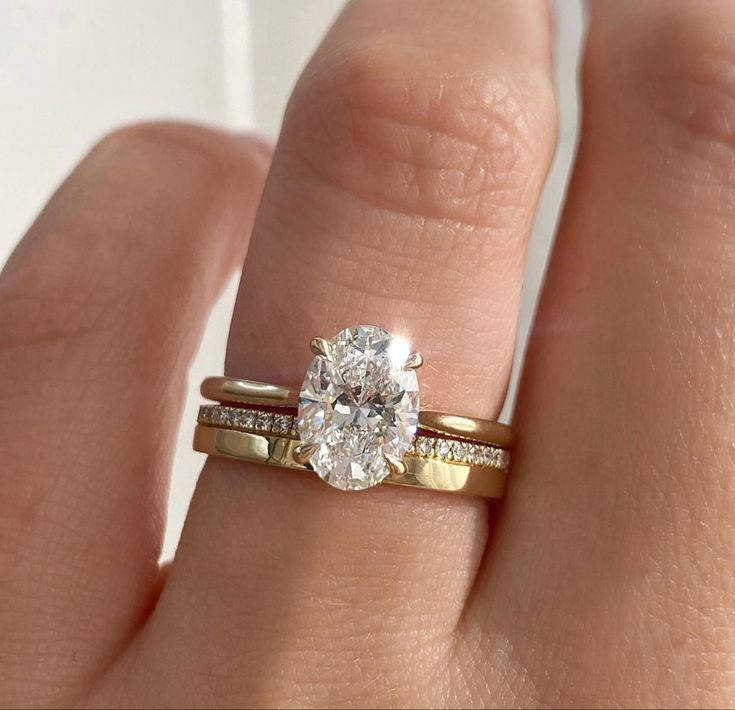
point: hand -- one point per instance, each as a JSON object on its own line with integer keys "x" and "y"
{"x": 401, "y": 194}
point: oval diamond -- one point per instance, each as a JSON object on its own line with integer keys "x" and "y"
{"x": 358, "y": 403}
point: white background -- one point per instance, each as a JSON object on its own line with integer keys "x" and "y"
{"x": 70, "y": 70}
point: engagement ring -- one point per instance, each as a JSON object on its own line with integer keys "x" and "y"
{"x": 355, "y": 422}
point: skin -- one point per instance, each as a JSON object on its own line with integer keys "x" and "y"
{"x": 401, "y": 193}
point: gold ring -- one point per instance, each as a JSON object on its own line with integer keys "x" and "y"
{"x": 355, "y": 422}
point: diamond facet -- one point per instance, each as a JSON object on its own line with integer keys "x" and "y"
{"x": 357, "y": 405}
{"x": 264, "y": 421}
{"x": 425, "y": 446}
{"x": 282, "y": 423}
{"x": 459, "y": 450}
{"x": 248, "y": 419}
{"x": 444, "y": 449}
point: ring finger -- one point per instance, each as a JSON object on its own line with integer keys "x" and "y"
{"x": 401, "y": 194}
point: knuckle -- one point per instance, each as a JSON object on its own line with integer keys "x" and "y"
{"x": 682, "y": 73}
{"x": 107, "y": 258}
{"x": 208, "y": 156}
{"x": 388, "y": 126}
{"x": 696, "y": 92}
{"x": 122, "y": 137}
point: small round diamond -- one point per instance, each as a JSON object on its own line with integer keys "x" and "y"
{"x": 264, "y": 421}
{"x": 444, "y": 449}
{"x": 282, "y": 423}
{"x": 247, "y": 419}
{"x": 234, "y": 418}
{"x": 425, "y": 447}
{"x": 473, "y": 451}
{"x": 459, "y": 449}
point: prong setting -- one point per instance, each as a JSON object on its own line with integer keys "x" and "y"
{"x": 413, "y": 361}
{"x": 357, "y": 404}
{"x": 320, "y": 348}
{"x": 397, "y": 466}
{"x": 302, "y": 453}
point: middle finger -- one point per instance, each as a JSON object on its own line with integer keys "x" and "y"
{"x": 401, "y": 195}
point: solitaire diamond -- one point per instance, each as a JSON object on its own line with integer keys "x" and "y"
{"x": 359, "y": 402}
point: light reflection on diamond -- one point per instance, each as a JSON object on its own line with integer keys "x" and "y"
{"x": 357, "y": 406}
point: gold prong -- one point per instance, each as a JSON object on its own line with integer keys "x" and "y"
{"x": 413, "y": 361}
{"x": 302, "y": 453}
{"x": 320, "y": 348}
{"x": 396, "y": 465}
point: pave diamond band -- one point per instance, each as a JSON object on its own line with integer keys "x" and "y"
{"x": 460, "y": 451}
{"x": 284, "y": 424}
{"x": 243, "y": 419}
{"x": 356, "y": 422}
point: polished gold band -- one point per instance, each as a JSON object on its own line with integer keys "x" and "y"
{"x": 231, "y": 389}
{"x": 228, "y": 389}
{"x": 426, "y": 473}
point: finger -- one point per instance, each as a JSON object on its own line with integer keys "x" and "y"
{"x": 611, "y": 577}
{"x": 405, "y": 181}
{"x": 101, "y": 307}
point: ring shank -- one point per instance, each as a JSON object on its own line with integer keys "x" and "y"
{"x": 230, "y": 389}
{"x": 278, "y": 451}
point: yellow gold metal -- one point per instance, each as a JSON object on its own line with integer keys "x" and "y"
{"x": 431, "y": 474}
{"x": 397, "y": 466}
{"x": 320, "y": 348}
{"x": 480, "y": 430}
{"x": 230, "y": 389}
{"x": 303, "y": 452}
{"x": 413, "y": 361}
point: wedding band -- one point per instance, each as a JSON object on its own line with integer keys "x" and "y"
{"x": 426, "y": 473}
{"x": 355, "y": 422}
